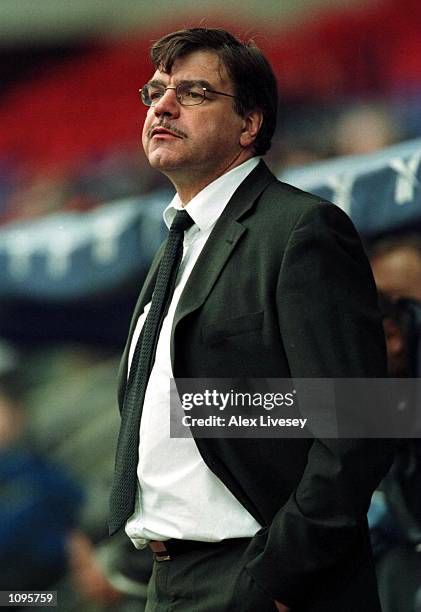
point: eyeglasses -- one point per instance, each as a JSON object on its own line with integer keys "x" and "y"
{"x": 187, "y": 94}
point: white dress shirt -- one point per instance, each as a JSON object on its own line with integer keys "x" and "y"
{"x": 178, "y": 496}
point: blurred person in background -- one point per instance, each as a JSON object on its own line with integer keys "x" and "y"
{"x": 40, "y": 539}
{"x": 39, "y": 505}
{"x": 281, "y": 288}
{"x": 396, "y": 264}
{"x": 395, "y": 511}
{"x": 365, "y": 128}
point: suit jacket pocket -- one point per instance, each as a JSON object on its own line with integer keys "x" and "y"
{"x": 218, "y": 331}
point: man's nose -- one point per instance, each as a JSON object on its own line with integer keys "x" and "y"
{"x": 167, "y": 105}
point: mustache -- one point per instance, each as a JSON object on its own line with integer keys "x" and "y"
{"x": 167, "y": 126}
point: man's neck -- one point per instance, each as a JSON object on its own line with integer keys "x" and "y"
{"x": 189, "y": 188}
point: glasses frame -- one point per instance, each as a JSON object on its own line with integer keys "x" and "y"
{"x": 179, "y": 97}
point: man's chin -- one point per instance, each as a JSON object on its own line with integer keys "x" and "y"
{"x": 162, "y": 161}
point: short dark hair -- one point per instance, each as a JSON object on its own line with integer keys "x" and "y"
{"x": 254, "y": 82}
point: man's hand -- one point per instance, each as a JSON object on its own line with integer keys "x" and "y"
{"x": 281, "y": 607}
{"x": 87, "y": 575}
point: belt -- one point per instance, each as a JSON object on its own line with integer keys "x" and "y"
{"x": 169, "y": 549}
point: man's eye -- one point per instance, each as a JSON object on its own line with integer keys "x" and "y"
{"x": 155, "y": 94}
{"x": 193, "y": 94}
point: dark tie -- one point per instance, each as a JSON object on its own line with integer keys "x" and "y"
{"x": 122, "y": 500}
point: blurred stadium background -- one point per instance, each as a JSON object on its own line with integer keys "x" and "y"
{"x": 80, "y": 211}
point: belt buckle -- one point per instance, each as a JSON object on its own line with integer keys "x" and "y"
{"x": 160, "y": 551}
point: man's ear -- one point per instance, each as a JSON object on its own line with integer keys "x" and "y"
{"x": 252, "y": 123}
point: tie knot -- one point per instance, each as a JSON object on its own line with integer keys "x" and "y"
{"x": 182, "y": 221}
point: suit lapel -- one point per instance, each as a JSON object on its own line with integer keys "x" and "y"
{"x": 217, "y": 250}
{"x": 220, "y": 245}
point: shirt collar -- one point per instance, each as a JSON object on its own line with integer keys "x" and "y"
{"x": 206, "y": 206}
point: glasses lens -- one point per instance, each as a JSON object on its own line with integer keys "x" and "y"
{"x": 190, "y": 95}
{"x": 151, "y": 94}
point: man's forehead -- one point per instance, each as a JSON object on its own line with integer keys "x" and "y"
{"x": 198, "y": 65}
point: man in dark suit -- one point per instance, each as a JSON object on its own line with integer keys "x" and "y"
{"x": 273, "y": 283}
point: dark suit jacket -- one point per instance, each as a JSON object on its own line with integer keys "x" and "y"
{"x": 282, "y": 288}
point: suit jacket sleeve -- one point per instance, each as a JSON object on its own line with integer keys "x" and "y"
{"x": 331, "y": 328}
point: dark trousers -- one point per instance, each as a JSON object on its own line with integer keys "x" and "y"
{"x": 211, "y": 578}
